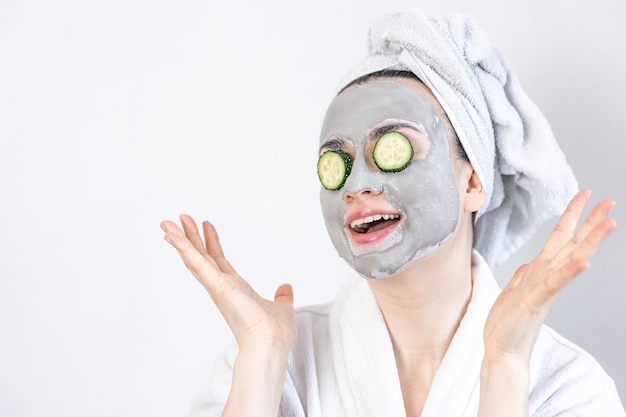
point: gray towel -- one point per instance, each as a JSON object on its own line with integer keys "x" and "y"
{"x": 506, "y": 137}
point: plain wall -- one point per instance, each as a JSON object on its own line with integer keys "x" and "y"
{"x": 115, "y": 115}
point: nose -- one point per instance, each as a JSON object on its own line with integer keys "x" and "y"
{"x": 348, "y": 196}
{"x": 362, "y": 182}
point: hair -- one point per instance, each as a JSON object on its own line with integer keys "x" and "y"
{"x": 392, "y": 73}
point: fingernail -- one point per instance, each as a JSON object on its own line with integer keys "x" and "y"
{"x": 208, "y": 223}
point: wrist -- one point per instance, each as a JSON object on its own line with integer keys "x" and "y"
{"x": 257, "y": 385}
{"x": 505, "y": 366}
{"x": 265, "y": 350}
{"x": 504, "y": 385}
{"x": 262, "y": 358}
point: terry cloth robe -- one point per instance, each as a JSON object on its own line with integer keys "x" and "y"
{"x": 343, "y": 365}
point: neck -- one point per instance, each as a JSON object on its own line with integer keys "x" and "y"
{"x": 423, "y": 307}
{"x": 424, "y": 304}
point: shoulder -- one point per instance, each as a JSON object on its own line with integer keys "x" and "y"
{"x": 314, "y": 321}
{"x": 312, "y": 317}
{"x": 564, "y": 378}
{"x": 313, "y": 331}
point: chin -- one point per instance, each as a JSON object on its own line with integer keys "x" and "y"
{"x": 389, "y": 263}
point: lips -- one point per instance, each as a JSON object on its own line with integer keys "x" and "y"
{"x": 370, "y": 226}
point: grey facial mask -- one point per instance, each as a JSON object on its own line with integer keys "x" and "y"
{"x": 424, "y": 194}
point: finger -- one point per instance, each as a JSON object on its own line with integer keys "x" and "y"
{"x": 284, "y": 294}
{"x": 204, "y": 271}
{"x": 169, "y": 226}
{"x": 570, "y": 266}
{"x": 564, "y": 229}
{"x": 214, "y": 248}
{"x": 597, "y": 215}
{"x": 192, "y": 233}
{"x": 517, "y": 277}
{"x": 563, "y": 276}
{"x": 216, "y": 254}
{"x": 590, "y": 245}
{"x": 538, "y": 298}
{"x": 578, "y": 261}
{"x": 225, "y": 293}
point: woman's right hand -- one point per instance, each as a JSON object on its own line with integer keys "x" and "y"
{"x": 256, "y": 323}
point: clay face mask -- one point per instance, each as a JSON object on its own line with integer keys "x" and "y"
{"x": 380, "y": 220}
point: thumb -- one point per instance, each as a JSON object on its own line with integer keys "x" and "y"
{"x": 284, "y": 294}
{"x": 517, "y": 277}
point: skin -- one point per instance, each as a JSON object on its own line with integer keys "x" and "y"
{"x": 428, "y": 298}
{"x": 424, "y": 194}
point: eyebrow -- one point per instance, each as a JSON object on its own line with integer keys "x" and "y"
{"x": 379, "y": 131}
{"x": 334, "y": 144}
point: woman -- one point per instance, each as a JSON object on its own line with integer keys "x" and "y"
{"x": 414, "y": 203}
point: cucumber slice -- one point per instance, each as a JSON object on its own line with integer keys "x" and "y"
{"x": 393, "y": 152}
{"x": 333, "y": 167}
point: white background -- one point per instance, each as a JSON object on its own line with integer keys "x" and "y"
{"x": 116, "y": 114}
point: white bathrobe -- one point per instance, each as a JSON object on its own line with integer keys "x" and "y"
{"x": 343, "y": 365}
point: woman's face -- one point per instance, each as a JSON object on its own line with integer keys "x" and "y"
{"x": 381, "y": 221}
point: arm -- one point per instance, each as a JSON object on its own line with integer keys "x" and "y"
{"x": 258, "y": 378}
{"x": 518, "y": 314}
{"x": 264, "y": 330}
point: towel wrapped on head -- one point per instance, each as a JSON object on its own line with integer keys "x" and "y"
{"x": 505, "y": 136}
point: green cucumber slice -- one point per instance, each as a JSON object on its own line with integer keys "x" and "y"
{"x": 393, "y": 152}
{"x": 333, "y": 167}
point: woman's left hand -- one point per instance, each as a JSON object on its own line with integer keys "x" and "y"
{"x": 518, "y": 313}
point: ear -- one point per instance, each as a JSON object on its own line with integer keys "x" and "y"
{"x": 474, "y": 194}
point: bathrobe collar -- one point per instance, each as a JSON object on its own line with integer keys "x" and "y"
{"x": 366, "y": 372}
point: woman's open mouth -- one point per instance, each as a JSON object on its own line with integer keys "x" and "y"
{"x": 365, "y": 229}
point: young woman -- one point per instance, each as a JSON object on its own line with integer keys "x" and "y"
{"x": 432, "y": 164}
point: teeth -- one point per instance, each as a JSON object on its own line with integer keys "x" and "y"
{"x": 374, "y": 218}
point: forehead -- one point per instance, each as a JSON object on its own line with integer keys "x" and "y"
{"x": 356, "y": 110}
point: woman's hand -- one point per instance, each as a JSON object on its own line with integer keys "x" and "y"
{"x": 265, "y": 330}
{"x": 256, "y": 323}
{"x": 518, "y": 313}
